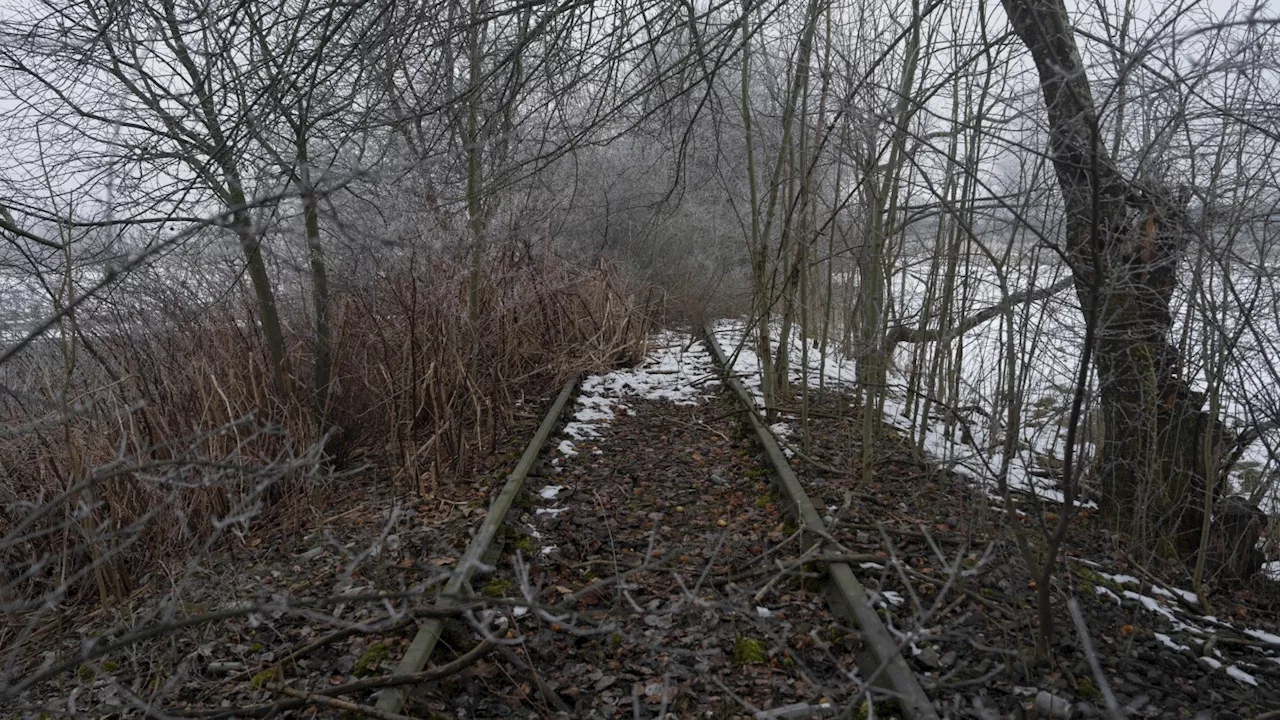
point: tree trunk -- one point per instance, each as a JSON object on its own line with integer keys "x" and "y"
{"x": 1124, "y": 257}
{"x": 268, "y": 317}
{"x": 319, "y": 289}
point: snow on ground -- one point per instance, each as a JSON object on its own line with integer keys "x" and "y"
{"x": 1265, "y": 637}
{"x": 1106, "y": 592}
{"x": 970, "y": 456}
{"x": 1121, "y": 579}
{"x": 1242, "y": 676}
{"x": 674, "y": 370}
{"x": 1169, "y": 643}
{"x": 1050, "y": 333}
{"x": 1186, "y": 595}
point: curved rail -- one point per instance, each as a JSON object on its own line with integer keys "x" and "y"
{"x": 850, "y": 598}
{"x": 415, "y": 658}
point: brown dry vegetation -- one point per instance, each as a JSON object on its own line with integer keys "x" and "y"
{"x": 153, "y": 438}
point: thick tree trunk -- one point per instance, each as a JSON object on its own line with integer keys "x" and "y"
{"x": 1124, "y": 256}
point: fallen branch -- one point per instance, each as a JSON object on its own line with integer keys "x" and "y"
{"x": 93, "y": 652}
{"x": 905, "y": 333}
{"x": 417, "y": 678}
{"x": 313, "y": 699}
{"x": 436, "y": 673}
{"x": 333, "y": 637}
{"x": 1086, "y": 644}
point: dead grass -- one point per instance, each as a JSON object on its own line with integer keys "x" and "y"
{"x": 128, "y": 446}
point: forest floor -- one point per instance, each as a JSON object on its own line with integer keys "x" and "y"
{"x": 652, "y": 572}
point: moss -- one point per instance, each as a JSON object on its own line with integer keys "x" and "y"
{"x": 1088, "y": 691}
{"x": 85, "y": 673}
{"x": 748, "y": 651}
{"x": 757, "y": 472}
{"x": 1093, "y": 579}
{"x": 271, "y": 674}
{"x": 110, "y": 665}
{"x": 374, "y": 654}
{"x": 615, "y": 641}
{"x": 497, "y": 587}
{"x": 255, "y": 648}
{"x": 524, "y": 544}
{"x": 864, "y": 711}
{"x": 763, "y": 501}
{"x": 815, "y": 577}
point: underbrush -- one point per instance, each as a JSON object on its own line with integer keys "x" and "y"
{"x": 135, "y": 441}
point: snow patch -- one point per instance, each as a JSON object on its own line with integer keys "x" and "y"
{"x": 1121, "y": 579}
{"x": 1106, "y": 592}
{"x": 1169, "y": 643}
{"x": 1264, "y": 636}
{"x": 675, "y": 370}
{"x": 1186, "y": 595}
{"x": 1242, "y": 676}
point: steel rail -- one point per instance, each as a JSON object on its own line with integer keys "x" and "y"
{"x": 415, "y": 658}
{"x": 850, "y": 598}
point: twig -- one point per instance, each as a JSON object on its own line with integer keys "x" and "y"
{"x": 370, "y": 684}
{"x": 97, "y": 651}
{"x": 547, "y": 693}
{"x": 419, "y": 677}
{"x": 982, "y": 680}
{"x": 313, "y": 699}
{"x": 1086, "y": 643}
{"x": 333, "y": 637}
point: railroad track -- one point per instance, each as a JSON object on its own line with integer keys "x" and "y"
{"x": 666, "y": 577}
{"x": 848, "y": 597}
{"x": 480, "y": 549}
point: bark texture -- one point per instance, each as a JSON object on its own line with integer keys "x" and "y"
{"x": 1124, "y": 245}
